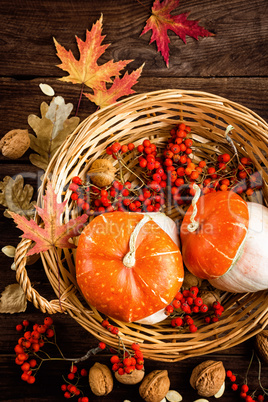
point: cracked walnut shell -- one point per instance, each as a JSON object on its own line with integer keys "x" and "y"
{"x": 102, "y": 172}
{"x": 261, "y": 344}
{"x": 133, "y": 378}
{"x": 155, "y": 386}
{"x": 15, "y": 143}
{"x": 100, "y": 379}
{"x": 208, "y": 377}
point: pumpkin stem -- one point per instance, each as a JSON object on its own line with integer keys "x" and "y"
{"x": 129, "y": 259}
{"x": 193, "y": 226}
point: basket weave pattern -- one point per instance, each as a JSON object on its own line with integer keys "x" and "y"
{"x": 152, "y": 115}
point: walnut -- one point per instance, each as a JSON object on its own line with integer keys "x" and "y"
{"x": 100, "y": 379}
{"x": 261, "y": 344}
{"x": 209, "y": 297}
{"x": 133, "y": 378}
{"x": 155, "y": 386}
{"x": 15, "y": 143}
{"x": 102, "y": 172}
{"x": 208, "y": 377}
{"x": 191, "y": 280}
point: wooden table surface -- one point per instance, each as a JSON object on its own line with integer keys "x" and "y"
{"x": 232, "y": 64}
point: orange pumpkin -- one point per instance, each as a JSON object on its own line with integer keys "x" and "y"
{"x": 214, "y": 247}
{"x": 127, "y": 266}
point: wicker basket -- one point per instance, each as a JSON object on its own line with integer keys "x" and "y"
{"x": 152, "y": 115}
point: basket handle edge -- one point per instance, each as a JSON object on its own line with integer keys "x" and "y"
{"x": 41, "y": 303}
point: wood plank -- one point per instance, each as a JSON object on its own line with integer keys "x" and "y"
{"x": 21, "y": 98}
{"x": 240, "y": 28}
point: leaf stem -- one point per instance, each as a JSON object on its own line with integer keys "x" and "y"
{"x": 58, "y": 266}
{"x": 80, "y": 98}
{"x": 144, "y": 6}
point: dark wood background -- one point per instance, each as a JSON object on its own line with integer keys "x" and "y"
{"x": 232, "y": 64}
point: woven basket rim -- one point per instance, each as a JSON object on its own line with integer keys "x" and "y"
{"x": 248, "y": 313}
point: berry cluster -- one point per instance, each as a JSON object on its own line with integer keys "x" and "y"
{"x": 71, "y": 390}
{"x": 27, "y": 354}
{"x": 127, "y": 361}
{"x": 187, "y": 302}
{"x": 226, "y": 176}
{"x": 29, "y": 345}
{"x": 116, "y": 150}
{"x": 244, "y": 389}
{"x": 167, "y": 177}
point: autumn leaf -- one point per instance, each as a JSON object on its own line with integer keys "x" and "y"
{"x": 54, "y": 233}
{"x": 16, "y": 196}
{"x": 51, "y": 130}
{"x": 161, "y": 20}
{"x": 86, "y": 70}
{"x": 13, "y": 299}
{"x": 120, "y": 87}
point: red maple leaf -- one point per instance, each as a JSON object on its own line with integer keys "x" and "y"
{"x": 161, "y": 20}
{"x": 54, "y": 233}
{"x": 121, "y": 87}
{"x": 86, "y": 70}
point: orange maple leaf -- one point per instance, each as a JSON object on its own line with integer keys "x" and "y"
{"x": 54, "y": 233}
{"x": 121, "y": 86}
{"x": 86, "y": 70}
{"x": 161, "y": 20}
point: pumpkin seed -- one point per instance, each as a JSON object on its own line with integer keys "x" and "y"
{"x": 9, "y": 251}
{"x": 47, "y": 89}
{"x": 221, "y": 391}
{"x": 173, "y": 396}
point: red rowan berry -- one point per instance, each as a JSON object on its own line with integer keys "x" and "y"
{"x": 198, "y": 301}
{"x": 73, "y": 369}
{"x": 244, "y": 388}
{"x": 49, "y": 333}
{"x": 83, "y": 372}
{"x": 115, "y": 359}
{"x": 31, "y": 379}
{"x": 178, "y": 296}
{"x": 102, "y": 345}
{"x": 77, "y": 180}
{"x": 70, "y": 376}
{"x": 234, "y": 387}
{"x": 169, "y": 309}
{"x": 233, "y": 378}
{"x": 176, "y": 303}
{"x": 193, "y": 328}
{"x": 135, "y": 346}
{"x": 203, "y": 308}
{"x": 48, "y": 321}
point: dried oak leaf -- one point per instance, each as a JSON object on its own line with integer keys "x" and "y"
{"x": 51, "y": 130}
{"x": 86, "y": 70}
{"x": 13, "y": 299}
{"x": 120, "y": 87}
{"x": 53, "y": 233}
{"x": 17, "y": 197}
{"x": 161, "y": 20}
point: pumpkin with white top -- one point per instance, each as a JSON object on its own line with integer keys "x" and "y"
{"x": 129, "y": 265}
